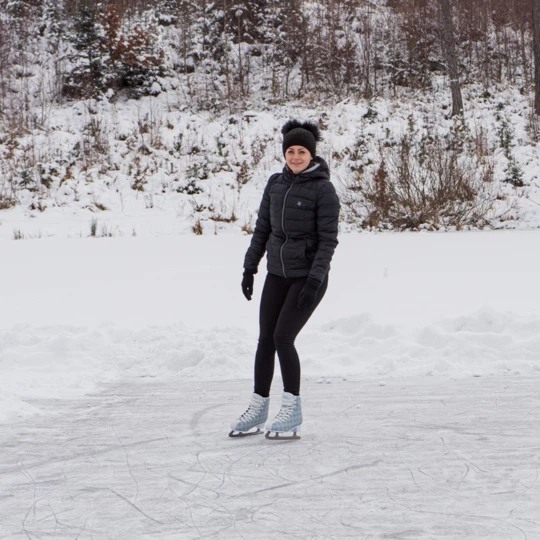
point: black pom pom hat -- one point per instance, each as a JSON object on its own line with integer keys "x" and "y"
{"x": 296, "y": 133}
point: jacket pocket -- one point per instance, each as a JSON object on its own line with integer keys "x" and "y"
{"x": 294, "y": 250}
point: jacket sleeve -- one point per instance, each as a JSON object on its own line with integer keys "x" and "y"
{"x": 261, "y": 233}
{"x": 327, "y": 230}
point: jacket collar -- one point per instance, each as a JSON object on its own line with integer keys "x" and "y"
{"x": 318, "y": 170}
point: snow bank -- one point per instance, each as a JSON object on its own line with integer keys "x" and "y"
{"x": 485, "y": 343}
{"x": 62, "y": 361}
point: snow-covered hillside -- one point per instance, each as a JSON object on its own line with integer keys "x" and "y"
{"x": 164, "y": 171}
{"x": 160, "y": 116}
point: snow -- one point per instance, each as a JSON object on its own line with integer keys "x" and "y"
{"x": 124, "y": 358}
{"x": 83, "y": 311}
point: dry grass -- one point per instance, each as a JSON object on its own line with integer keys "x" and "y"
{"x": 247, "y": 228}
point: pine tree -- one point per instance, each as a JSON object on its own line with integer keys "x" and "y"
{"x": 186, "y": 13}
{"x": 110, "y": 53}
{"x": 287, "y": 28}
{"x": 86, "y": 77}
{"x": 168, "y": 12}
{"x": 132, "y": 60}
{"x": 246, "y": 22}
{"x": 536, "y": 26}
{"x": 52, "y": 26}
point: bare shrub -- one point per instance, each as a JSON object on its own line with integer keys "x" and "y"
{"x": 247, "y": 227}
{"x": 197, "y": 228}
{"x": 98, "y": 204}
{"x": 226, "y": 213}
{"x": 243, "y": 175}
{"x": 258, "y": 149}
{"x": 93, "y": 227}
{"x": 481, "y": 141}
{"x": 411, "y": 189}
{"x": 149, "y": 125}
{"x": 222, "y": 218}
{"x": 96, "y": 136}
{"x": 6, "y": 202}
{"x": 106, "y": 232}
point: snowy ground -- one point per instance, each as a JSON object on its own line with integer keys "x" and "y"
{"x": 78, "y": 312}
{"x": 122, "y": 361}
{"x": 419, "y": 459}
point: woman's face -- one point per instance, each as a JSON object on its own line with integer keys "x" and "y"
{"x": 298, "y": 158}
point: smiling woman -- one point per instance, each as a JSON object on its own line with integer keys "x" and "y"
{"x": 297, "y": 227}
{"x": 298, "y": 158}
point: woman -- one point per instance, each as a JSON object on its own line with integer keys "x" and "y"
{"x": 297, "y": 226}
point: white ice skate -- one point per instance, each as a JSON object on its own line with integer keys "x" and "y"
{"x": 286, "y": 424}
{"x": 252, "y": 421}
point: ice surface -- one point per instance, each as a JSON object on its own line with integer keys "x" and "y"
{"x": 419, "y": 459}
{"x": 138, "y": 352}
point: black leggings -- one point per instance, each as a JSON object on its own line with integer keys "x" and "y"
{"x": 280, "y": 322}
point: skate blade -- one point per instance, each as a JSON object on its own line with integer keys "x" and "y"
{"x": 238, "y": 434}
{"x": 279, "y": 436}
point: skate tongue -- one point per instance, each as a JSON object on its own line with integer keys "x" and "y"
{"x": 289, "y": 399}
{"x": 258, "y": 400}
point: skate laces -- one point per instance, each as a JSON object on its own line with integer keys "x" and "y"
{"x": 250, "y": 413}
{"x": 285, "y": 412}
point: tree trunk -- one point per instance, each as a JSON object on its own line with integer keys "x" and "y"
{"x": 536, "y": 29}
{"x": 449, "y": 49}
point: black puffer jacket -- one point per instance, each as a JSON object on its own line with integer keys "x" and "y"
{"x": 297, "y": 224}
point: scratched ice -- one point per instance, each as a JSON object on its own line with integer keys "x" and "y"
{"x": 416, "y": 459}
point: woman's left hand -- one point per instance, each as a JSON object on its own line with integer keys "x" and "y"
{"x": 308, "y": 294}
{"x": 247, "y": 284}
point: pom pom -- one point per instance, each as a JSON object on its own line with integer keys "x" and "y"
{"x": 307, "y": 125}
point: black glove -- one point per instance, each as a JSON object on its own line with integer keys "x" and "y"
{"x": 247, "y": 284}
{"x": 308, "y": 294}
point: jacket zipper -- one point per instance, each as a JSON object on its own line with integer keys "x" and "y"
{"x": 283, "y": 228}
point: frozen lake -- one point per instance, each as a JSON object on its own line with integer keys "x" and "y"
{"x": 123, "y": 361}
{"x": 416, "y": 459}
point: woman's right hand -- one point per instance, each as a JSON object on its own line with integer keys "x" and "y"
{"x": 247, "y": 284}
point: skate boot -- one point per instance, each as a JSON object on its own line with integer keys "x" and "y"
{"x": 252, "y": 421}
{"x": 286, "y": 424}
